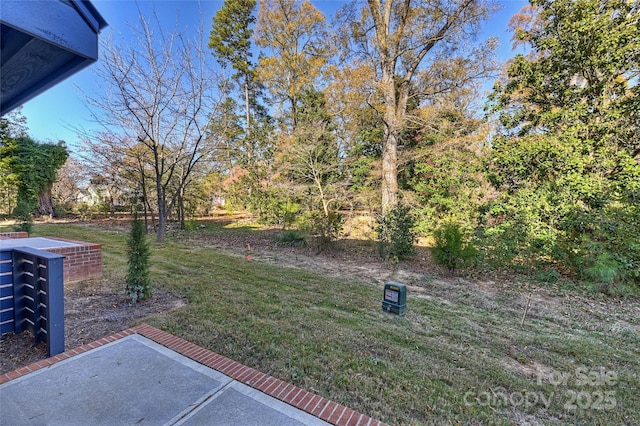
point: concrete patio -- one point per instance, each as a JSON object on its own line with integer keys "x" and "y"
{"x": 146, "y": 376}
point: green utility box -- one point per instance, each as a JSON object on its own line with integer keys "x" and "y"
{"x": 395, "y": 298}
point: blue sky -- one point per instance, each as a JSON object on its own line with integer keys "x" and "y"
{"x": 53, "y": 115}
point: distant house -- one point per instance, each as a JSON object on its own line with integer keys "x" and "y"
{"x": 218, "y": 202}
{"x": 88, "y": 196}
{"x": 95, "y": 193}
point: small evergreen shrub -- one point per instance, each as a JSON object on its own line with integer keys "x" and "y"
{"x": 604, "y": 269}
{"x": 453, "y": 248}
{"x": 291, "y": 238}
{"x": 287, "y": 213}
{"x": 396, "y": 235}
{"x": 138, "y": 283}
{"x": 22, "y": 213}
{"x": 548, "y": 275}
{"x": 607, "y": 275}
{"x": 191, "y": 225}
{"x": 24, "y": 226}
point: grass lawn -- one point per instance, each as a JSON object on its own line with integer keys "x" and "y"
{"x": 459, "y": 355}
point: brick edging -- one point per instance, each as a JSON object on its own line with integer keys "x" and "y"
{"x": 11, "y": 375}
{"x": 316, "y": 405}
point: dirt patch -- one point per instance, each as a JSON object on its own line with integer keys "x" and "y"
{"x": 350, "y": 256}
{"x": 92, "y": 310}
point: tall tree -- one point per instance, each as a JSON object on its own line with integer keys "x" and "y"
{"x": 230, "y": 40}
{"x": 70, "y": 177}
{"x": 568, "y": 157}
{"x": 296, "y": 37}
{"x": 443, "y": 166}
{"x": 359, "y": 131}
{"x": 311, "y": 160}
{"x": 12, "y": 126}
{"x": 105, "y": 155}
{"x": 161, "y": 94}
{"x": 34, "y": 167}
{"x": 408, "y": 43}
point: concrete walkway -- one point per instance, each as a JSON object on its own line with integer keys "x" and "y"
{"x": 146, "y": 376}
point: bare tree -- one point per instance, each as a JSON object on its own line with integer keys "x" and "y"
{"x": 104, "y": 154}
{"x": 159, "y": 94}
{"x": 66, "y": 188}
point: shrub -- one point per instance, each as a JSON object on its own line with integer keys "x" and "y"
{"x": 396, "y": 236}
{"x": 607, "y": 274}
{"x": 24, "y": 226}
{"x": 453, "y": 247}
{"x": 274, "y": 207}
{"x": 326, "y": 228}
{"x": 138, "y": 283}
{"x": 84, "y": 211}
{"x": 291, "y": 238}
{"x": 519, "y": 229}
{"x": 191, "y": 225}
{"x": 604, "y": 269}
{"x": 22, "y": 213}
{"x": 62, "y": 210}
{"x": 548, "y": 275}
{"x": 604, "y": 248}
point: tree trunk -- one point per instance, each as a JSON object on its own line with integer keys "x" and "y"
{"x": 112, "y": 205}
{"x": 294, "y": 113}
{"x": 146, "y": 206}
{"x": 390, "y": 170}
{"x": 325, "y": 203}
{"x": 246, "y": 107}
{"x": 162, "y": 214}
{"x": 45, "y": 203}
{"x": 393, "y": 127}
{"x": 151, "y": 213}
{"x": 146, "y": 219}
{"x": 181, "y": 217}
